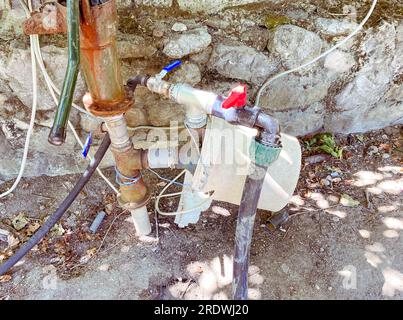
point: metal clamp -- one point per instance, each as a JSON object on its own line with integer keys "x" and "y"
{"x": 130, "y": 182}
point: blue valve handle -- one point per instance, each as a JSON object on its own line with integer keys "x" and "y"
{"x": 87, "y": 146}
{"x": 168, "y": 68}
{"x": 172, "y": 65}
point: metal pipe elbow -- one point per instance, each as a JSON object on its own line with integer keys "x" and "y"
{"x": 269, "y": 129}
{"x": 133, "y": 82}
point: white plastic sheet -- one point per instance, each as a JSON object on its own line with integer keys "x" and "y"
{"x": 225, "y": 163}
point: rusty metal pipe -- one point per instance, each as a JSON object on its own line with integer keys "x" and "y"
{"x": 100, "y": 61}
{"x": 109, "y": 99}
{"x": 244, "y": 231}
{"x": 128, "y": 160}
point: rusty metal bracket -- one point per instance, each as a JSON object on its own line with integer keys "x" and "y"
{"x": 50, "y": 19}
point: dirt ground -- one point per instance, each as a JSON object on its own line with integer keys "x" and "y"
{"x": 343, "y": 240}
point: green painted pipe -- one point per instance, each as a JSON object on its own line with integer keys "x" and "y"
{"x": 57, "y": 134}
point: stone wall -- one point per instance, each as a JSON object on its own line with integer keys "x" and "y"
{"x": 355, "y": 89}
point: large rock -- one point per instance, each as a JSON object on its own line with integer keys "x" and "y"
{"x": 242, "y": 62}
{"x": 373, "y": 98}
{"x": 11, "y": 22}
{"x": 162, "y": 112}
{"x": 43, "y": 159}
{"x": 295, "y": 45}
{"x": 191, "y": 42}
{"x": 333, "y": 27}
{"x": 15, "y": 68}
{"x": 301, "y": 121}
{"x": 134, "y": 47}
{"x": 202, "y": 58}
{"x": 188, "y": 73}
{"x": 339, "y": 61}
{"x": 255, "y": 37}
{"x": 296, "y": 91}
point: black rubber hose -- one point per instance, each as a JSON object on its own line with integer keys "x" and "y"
{"x": 51, "y": 221}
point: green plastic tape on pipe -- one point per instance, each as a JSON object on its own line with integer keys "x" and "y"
{"x": 57, "y": 134}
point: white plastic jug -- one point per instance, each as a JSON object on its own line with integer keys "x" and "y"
{"x": 225, "y": 163}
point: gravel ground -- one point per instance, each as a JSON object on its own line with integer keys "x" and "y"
{"x": 343, "y": 240}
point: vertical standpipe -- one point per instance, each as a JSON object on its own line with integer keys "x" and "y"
{"x": 109, "y": 100}
{"x": 99, "y": 59}
{"x": 244, "y": 231}
{"x": 263, "y": 152}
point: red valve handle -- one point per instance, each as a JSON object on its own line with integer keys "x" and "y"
{"x": 237, "y": 98}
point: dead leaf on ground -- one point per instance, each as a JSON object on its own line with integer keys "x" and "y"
{"x": 32, "y": 228}
{"x": 315, "y": 159}
{"x": 5, "y": 278}
{"x": 89, "y": 255}
{"x": 4, "y": 234}
{"x": 348, "y": 201}
{"x": 386, "y": 147}
{"x": 19, "y": 222}
{"x": 12, "y": 241}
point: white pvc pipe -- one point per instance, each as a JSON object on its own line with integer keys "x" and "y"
{"x": 141, "y": 221}
{"x": 162, "y": 158}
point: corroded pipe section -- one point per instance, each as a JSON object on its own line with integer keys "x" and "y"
{"x": 109, "y": 99}
{"x": 128, "y": 164}
{"x": 264, "y": 152}
{"x": 244, "y": 232}
{"x": 100, "y": 61}
{"x": 50, "y": 19}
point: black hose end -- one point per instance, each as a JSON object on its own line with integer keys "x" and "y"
{"x": 57, "y": 136}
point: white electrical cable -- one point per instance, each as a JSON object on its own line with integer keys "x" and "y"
{"x": 51, "y": 90}
{"x": 31, "y": 123}
{"x": 338, "y": 45}
{"x": 162, "y": 195}
{"x": 154, "y": 128}
{"x": 165, "y": 179}
{"x": 170, "y": 195}
{"x": 36, "y": 57}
